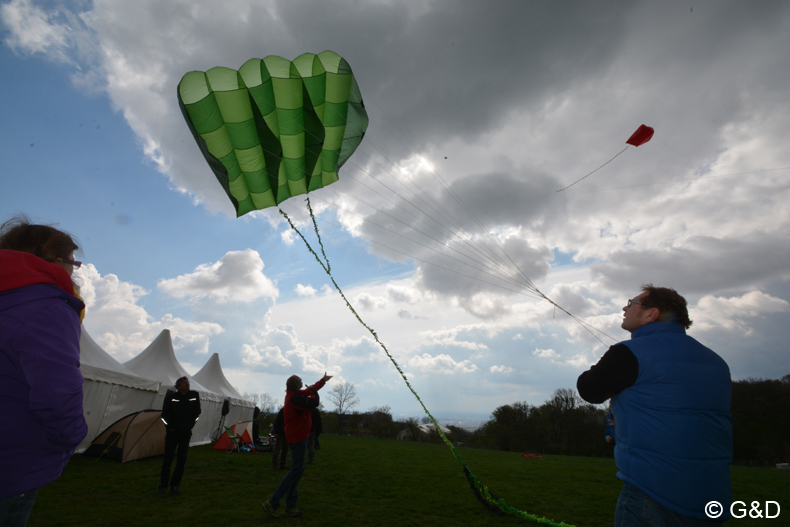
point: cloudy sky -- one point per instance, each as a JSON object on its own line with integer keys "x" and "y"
{"x": 479, "y": 112}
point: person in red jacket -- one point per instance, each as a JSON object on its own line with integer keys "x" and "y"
{"x": 298, "y": 420}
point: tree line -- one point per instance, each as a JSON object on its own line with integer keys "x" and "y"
{"x": 567, "y": 425}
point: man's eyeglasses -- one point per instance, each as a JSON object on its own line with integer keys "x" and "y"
{"x": 635, "y": 302}
{"x": 77, "y": 264}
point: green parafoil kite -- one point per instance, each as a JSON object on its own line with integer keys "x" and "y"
{"x": 275, "y": 128}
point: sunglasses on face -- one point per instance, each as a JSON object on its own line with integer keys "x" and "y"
{"x": 635, "y": 302}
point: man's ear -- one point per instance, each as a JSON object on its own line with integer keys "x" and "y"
{"x": 655, "y": 314}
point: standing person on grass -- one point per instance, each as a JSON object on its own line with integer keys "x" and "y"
{"x": 315, "y": 431}
{"x": 280, "y": 452}
{"x": 672, "y": 422}
{"x": 298, "y": 421}
{"x": 41, "y": 415}
{"x": 180, "y": 412}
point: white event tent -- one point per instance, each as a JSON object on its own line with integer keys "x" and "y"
{"x": 212, "y": 377}
{"x": 110, "y": 391}
{"x": 158, "y": 361}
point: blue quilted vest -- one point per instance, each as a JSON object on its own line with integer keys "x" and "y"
{"x": 673, "y": 427}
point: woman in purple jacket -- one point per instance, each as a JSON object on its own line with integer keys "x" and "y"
{"x": 41, "y": 417}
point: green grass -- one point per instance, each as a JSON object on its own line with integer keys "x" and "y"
{"x": 358, "y": 481}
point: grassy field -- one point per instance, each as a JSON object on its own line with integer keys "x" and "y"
{"x": 359, "y": 481}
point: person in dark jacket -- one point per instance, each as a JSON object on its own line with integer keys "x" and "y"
{"x": 180, "y": 412}
{"x": 256, "y": 426}
{"x": 298, "y": 421}
{"x": 315, "y": 430}
{"x": 609, "y": 434}
{"x": 280, "y": 444}
{"x": 41, "y": 414}
{"x": 671, "y": 407}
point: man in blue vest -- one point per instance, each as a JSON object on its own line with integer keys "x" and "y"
{"x": 671, "y": 405}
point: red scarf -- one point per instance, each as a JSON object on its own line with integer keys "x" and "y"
{"x": 19, "y": 269}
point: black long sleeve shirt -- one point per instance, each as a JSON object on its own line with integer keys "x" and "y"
{"x": 616, "y": 371}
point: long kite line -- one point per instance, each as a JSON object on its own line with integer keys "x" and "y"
{"x": 480, "y": 490}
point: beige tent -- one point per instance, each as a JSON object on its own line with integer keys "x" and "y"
{"x": 136, "y": 436}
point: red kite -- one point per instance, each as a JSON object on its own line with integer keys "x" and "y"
{"x": 642, "y": 135}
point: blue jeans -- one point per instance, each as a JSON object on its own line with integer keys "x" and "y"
{"x": 290, "y": 481}
{"x": 15, "y": 510}
{"x": 637, "y": 509}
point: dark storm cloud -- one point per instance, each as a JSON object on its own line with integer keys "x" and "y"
{"x": 457, "y": 68}
{"x": 438, "y": 231}
{"x": 705, "y": 266}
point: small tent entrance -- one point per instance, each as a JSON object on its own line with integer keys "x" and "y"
{"x": 241, "y": 432}
{"x": 136, "y": 436}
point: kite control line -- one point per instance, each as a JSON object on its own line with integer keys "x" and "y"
{"x": 481, "y": 491}
{"x": 640, "y": 137}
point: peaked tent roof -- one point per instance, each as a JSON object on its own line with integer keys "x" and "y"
{"x": 98, "y": 365}
{"x": 158, "y": 361}
{"x": 212, "y": 377}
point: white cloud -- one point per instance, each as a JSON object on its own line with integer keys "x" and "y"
{"x": 443, "y": 364}
{"x": 370, "y": 303}
{"x": 305, "y": 290}
{"x": 546, "y": 354}
{"x": 735, "y": 313}
{"x": 279, "y": 349}
{"x": 236, "y": 277}
{"x": 32, "y": 30}
{"x": 360, "y": 350}
{"x": 263, "y": 356}
{"x": 452, "y": 338}
{"x": 500, "y": 369}
{"x": 288, "y": 237}
{"x": 123, "y": 327}
{"x": 579, "y": 360}
{"x": 401, "y": 293}
{"x": 486, "y": 305}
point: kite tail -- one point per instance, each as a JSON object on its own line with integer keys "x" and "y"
{"x": 481, "y": 491}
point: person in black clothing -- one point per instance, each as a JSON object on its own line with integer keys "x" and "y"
{"x": 315, "y": 431}
{"x": 256, "y": 426}
{"x": 280, "y": 444}
{"x": 180, "y": 411}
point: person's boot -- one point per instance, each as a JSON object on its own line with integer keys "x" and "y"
{"x": 175, "y": 491}
{"x": 269, "y": 509}
{"x": 161, "y": 491}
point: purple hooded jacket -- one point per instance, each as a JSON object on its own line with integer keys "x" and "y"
{"x": 41, "y": 418}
